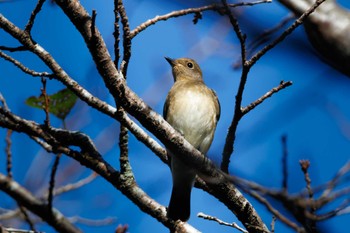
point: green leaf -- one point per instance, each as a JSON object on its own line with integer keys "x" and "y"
{"x": 60, "y": 103}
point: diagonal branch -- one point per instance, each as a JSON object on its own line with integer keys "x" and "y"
{"x": 246, "y": 66}
{"x": 33, "y": 15}
{"x": 60, "y": 140}
{"x": 213, "y": 7}
{"x": 26, "y": 199}
{"x": 286, "y": 33}
{"x": 82, "y": 93}
{"x": 24, "y": 68}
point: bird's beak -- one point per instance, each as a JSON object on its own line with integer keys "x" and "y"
{"x": 171, "y": 61}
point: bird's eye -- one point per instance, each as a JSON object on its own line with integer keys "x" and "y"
{"x": 190, "y": 65}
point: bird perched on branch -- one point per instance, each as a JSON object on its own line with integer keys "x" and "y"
{"x": 193, "y": 110}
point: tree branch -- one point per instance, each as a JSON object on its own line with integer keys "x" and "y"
{"x": 60, "y": 140}
{"x": 246, "y": 66}
{"x": 25, "y": 198}
{"x": 214, "y": 7}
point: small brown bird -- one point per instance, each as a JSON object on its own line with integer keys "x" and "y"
{"x": 193, "y": 110}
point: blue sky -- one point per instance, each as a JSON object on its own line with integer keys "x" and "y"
{"x": 314, "y": 112}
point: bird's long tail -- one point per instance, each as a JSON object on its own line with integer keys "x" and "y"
{"x": 180, "y": 201}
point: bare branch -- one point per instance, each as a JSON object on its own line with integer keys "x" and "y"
{"x": 93, "y": 222}
{"x": 24, "y": 68}
{"x": 26, "y": 217}
{"x": 238, "y": 114}
{"x": 198, "y": 10}
{"x": 286, "y": 33}
{"x": 246, "y": 66}
{"x": 275, "y": 212}
{"x": 36, "y": 10}
{"x": 89, "y": 156}
{"x": 52, "y": 182}
{"x": 25, "y": 198}
{"x": 6, "y": 214}
{"x": 211, "y": 218}
{"x": 125, "y": 168}
{"x": 251, "y": 106}
{"x": 14, "y": 230}
{"x": 116, "y": 34}
{"x": 273, "y": 222}
{"x": 13, "y": 49}
{"x": 126, "y": 36}
{"x": 8, "y": 154}
{"x": 74, "y": 186}
{"x": 335, "y": 181}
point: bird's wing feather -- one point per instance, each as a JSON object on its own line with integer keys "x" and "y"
{"x": 217, "y": 105}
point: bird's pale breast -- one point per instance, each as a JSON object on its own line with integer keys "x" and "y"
{"x": 195, "y": 115}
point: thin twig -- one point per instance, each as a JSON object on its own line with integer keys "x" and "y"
{"x": 93, "y": 222}
{"x": 52, "y": 182}
{"x": 13, "y": 49}
{"x": 336, "y": 179}
{"x": 238, "y": 113}
{"x": 264, "y": 37}
{"x": 246, "y": 66}
{"x": 8, "y": 153}
{"x": 3, "y": 102}
{"x": 286, "y": 33}
{"x": 6, "y": 214}
{"x": 212, "y": 218}
{"x": 126, "y": 37}
{"x": 274, "y": 90}
{"x": 74, "y": 186}
{"x": 275, "y": 212}
{"x": 24, "y": 68}
{"x": 26, "y": 217}
{"x": 198, "y": 10}
{"x": 305, "y": 164}
{"x": 344, "y": 208}
{"x": 116, "y": 34}
{"x": 309, "y": 223}
{"x": 15, "y": 230}
{"x": 46, "y": 103}
{"x": 273, "y": 222}
{"x": 36, "y": 10}
{"x": 267, "y": 33}
{"x": 240, "y": 35}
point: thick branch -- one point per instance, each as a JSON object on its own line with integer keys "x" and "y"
{"x": 60, "y": 140}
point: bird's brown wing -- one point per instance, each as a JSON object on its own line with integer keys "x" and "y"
{"x": 165, "y": 109}
{"x": 217, "y": 105}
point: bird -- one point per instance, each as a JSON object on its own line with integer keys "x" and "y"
{"x": 193, "y": 110}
